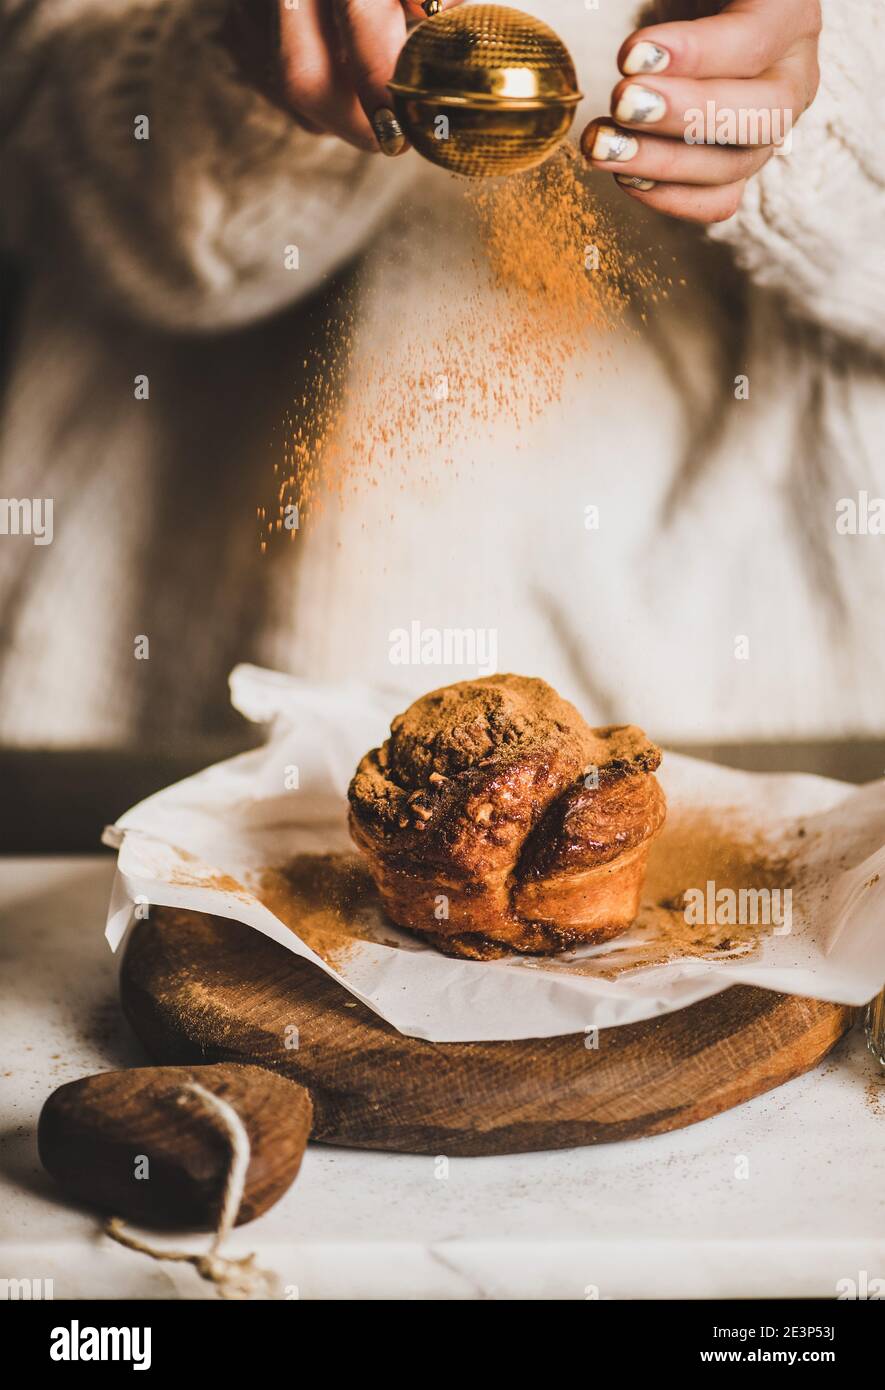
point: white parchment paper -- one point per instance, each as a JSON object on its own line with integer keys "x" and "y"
{"x": 205, "y": 843}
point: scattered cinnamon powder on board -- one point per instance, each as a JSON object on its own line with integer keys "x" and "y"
{"x": 329, "y": 901}
{"x": 875, "y": 1095}
{"x": 552, "y": 275}
{"x": 195, "y": 874}
{"x": 695, "y": 847}
{"x": 698, "y": 845}
{"x": 219, "y": 883}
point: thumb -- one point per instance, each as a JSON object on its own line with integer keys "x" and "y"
{"x": 372, "y": 34}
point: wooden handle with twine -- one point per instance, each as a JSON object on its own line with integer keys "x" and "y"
{"x": 233, "y": 1278}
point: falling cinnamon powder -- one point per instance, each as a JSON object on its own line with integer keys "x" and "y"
{"x": 558, "y": 260}
{"x": 552, "y": 279}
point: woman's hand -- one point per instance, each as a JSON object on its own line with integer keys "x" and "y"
{"x": 704, "y": 102}
{"x": 338, "y": 56}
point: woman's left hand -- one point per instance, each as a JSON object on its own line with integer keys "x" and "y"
{"x": 704, "y": 103}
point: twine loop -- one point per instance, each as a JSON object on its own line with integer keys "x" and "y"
{"x": 240, "y": 1279}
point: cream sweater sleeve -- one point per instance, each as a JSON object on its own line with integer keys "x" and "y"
{"x": 223, "y": 211}
{"x": 812, "y": 223}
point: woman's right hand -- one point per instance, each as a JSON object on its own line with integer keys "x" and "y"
{"x": 337, "y": 58}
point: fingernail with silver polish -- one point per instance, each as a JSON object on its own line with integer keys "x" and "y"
{"x": 640, "y": 105}
{"x": 646, "y": 57}
{"x": 614, "y": 144}
{"x": 388, "y": 131}
{"x": 631, "y": 181}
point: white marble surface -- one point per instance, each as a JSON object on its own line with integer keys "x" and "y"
{"x": 662, "y": 1217}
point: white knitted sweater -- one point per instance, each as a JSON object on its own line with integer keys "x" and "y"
{"x": 717, "y": 598}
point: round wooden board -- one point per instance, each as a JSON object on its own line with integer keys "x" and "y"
{"x": 204, "y": 989}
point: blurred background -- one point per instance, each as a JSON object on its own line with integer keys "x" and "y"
{"x": 153, "y": 343}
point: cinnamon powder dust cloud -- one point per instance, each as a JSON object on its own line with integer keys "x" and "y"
{"x": 552, "y": 276}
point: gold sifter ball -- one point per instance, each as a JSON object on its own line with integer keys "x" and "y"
{"x": 485, "y": 90}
